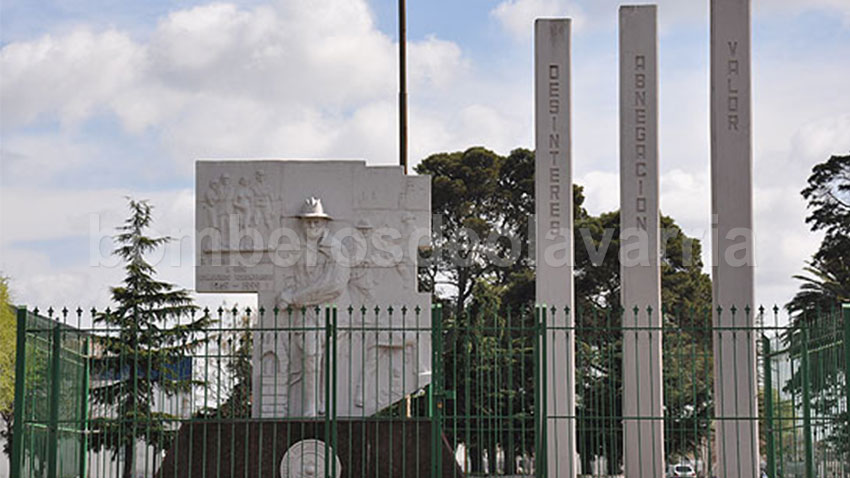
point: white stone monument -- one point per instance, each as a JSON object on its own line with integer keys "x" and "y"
{"x": 640, "y": 270}
{"x": 554, "y": 237}
{"x": 306, "y": 235}
{"x": 735, "y": 379}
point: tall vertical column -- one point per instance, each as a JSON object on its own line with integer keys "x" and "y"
{"x": 640, "y": 270}
{"x": 554, "y": 233}
{"x": 735, "y": 380}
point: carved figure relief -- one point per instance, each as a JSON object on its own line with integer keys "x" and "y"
{"x": 232, "y": 209}
{"x": 242, "y": 204}
{"x": 211, "y": 200}
{"x": 317, "y": 279}
{"x": 387, "y": 346}
{"x": 303, "y": 271}
{"x": 225, "y": 208}
{"x": 361, "y": 282}
{"x": 262, "y": 200}
{"x": 269, "y": 364}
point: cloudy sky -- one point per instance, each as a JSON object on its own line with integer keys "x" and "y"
{"x": 101, "y": 99}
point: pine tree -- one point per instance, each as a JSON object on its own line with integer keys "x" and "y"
{"x": 153, "y": 327}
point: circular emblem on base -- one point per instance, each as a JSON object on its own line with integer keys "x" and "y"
{"x": 306, "y": 459}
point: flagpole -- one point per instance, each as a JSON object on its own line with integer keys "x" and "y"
{"x": 402, "y": 80}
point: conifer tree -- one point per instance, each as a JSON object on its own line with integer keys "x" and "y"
{"x": 153, "y": 327}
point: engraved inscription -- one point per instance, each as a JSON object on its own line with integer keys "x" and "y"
{"x": 640, "y": 112}
{"x": 732, "y": 79}
{"x": 554, "y": 149}
{"x": 236, "y": 278}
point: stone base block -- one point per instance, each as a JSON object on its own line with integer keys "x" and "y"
{"x": 255, "y": 449}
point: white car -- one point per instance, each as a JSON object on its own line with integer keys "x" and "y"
{"x": 681, "y": 470}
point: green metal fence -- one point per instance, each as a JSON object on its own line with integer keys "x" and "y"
{"x": 51, "y": 398}
{"x": 806, "y": 396}
{"x": 482, "y": 414}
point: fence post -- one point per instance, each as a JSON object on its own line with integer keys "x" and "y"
{"x": 768, "y": 406}
{"x": 846, "y": 309}
{"x": 334, "y": 361}
{"x": 84, "y": 408}
{"x": 807, "y": 412}
{"x": 436, "y": 391}
{"x": 540, "y": 410}
{"x": 53, "y": 424}
{"x": 328, "y": 371}
{"x": 20, "y": 383}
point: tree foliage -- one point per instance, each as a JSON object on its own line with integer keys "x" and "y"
{"x": 826, "y": 278}
{"x": 490, "y": 322}
{"x": 153, "y": 327}
{"x": 8, "y": 328}
{"x": 825, "y": 284}
{"x": 234, "y": 348}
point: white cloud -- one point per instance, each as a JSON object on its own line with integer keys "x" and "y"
{"x": 841, "y": 7}
{"x": 55, "y": 219}
{"x": 601, "y": 191}
{"x": 69, "y": 76}
{"x": 434, "y": 63}
{"x": 298, "y": 79}
{"x": 517, "y": 16}
{"x": 220, "y": 80}
{"x": 33, "y": 214}
{"x": 40, "y": 157}
{"x": 316, "y": 78}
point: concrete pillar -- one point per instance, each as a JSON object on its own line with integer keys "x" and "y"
{"x": 735, "y": 380}
{"x": 640, "y": 272}
{"x": 554, "y": 236}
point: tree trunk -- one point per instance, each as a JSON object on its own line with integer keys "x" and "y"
{"x": 510, "y": 451}
{"x": 8, "y": 425}
{"x": 129, "y": 459}
{"x": 475, "y": 461}
{"x": 461, "y": 292}
{"x": 586, "y": 462}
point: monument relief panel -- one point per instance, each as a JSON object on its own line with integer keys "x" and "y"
{"x": 305, "y": 235}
